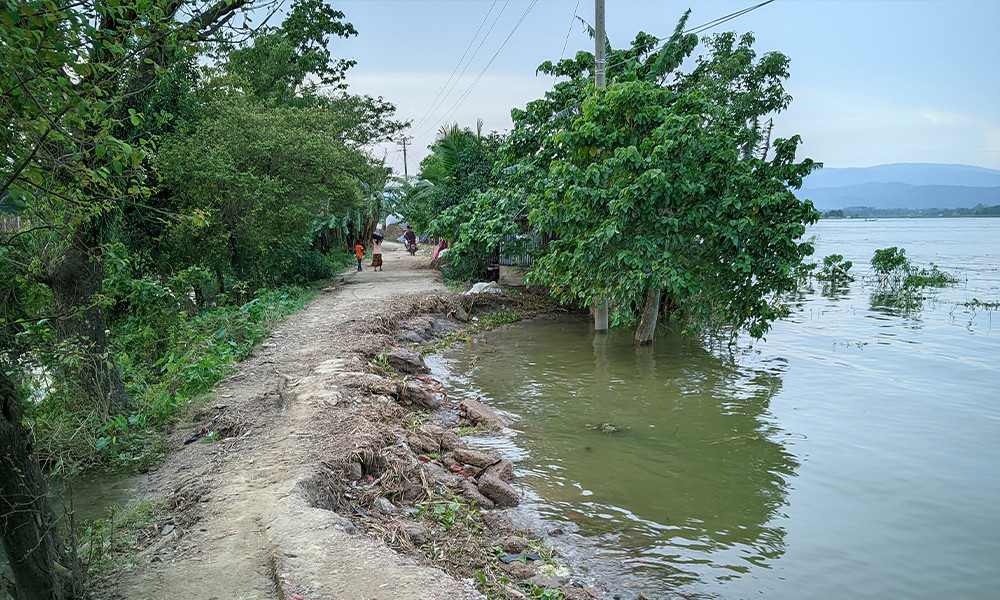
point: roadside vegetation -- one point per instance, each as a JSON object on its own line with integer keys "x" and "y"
{"x": 171, "y": 184}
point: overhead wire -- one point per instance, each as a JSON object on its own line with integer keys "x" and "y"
{"x": 434, "y": 103}
{"x": 660, "y": 42}
{"x": 725, "y": 18}
{"x": 562, "y": 55}
{"x": 700, "y": 28}
{"x": 454, "y": 108}
{"x": 438, "y": 105}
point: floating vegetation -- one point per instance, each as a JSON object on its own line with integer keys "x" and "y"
{"x": 835, "y": 269}
{"x": 976, "y": 303}
{"x": 605, "y": 428}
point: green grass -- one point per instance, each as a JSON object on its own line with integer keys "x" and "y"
{"x": 165, "y": 372}
{"x": 502, "y": 317}
{"x": 107, "y": 544}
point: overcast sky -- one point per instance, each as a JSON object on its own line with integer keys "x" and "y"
{"x": 873, "y": 81}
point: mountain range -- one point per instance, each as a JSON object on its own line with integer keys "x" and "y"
{"x": 903, "y": 186}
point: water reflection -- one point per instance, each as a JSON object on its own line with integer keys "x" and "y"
{"x": 681, "y": 467}
{"x": 832, "y": 290}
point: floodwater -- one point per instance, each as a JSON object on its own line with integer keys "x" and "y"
{"x": 87, "y": 499}
{"x": 853, "y": 454}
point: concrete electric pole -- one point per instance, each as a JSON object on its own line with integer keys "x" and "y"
{"x": 403, "y": 141}
{"x": 600, "y": 70}
{"x": 600, "y": 45}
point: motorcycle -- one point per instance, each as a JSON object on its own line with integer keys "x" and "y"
{"x": 411, "y": 247}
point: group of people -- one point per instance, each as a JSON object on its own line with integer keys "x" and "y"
{"x": 377, "y": 239}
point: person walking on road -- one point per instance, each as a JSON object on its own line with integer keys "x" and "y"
{"x": 359, "y": 251}
{"x": 377, "y": 251}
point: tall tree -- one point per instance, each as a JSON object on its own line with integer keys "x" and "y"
{"x": 42, "y": 565}
{"x": 41, "y": 562}
{"x": 276, "y": 153}
{"x": 75, "y": 79}
{"x": 459, "y": 166}
{"x": 653, "y": 188}
{"x": 262, "y": 177}
{"x": 80, "y": 97}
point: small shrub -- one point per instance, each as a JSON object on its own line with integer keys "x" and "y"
{"x": 381, "y": 364}
{"x": 891, "y": 267}
{"x": 899, "y": 283}
{"x": 835, "y": 269}
{"x": 894, "y": 272}
{"x": 109, "y": 543}
{"x": 933, "y": 277}
{"x": 445, "y": 514}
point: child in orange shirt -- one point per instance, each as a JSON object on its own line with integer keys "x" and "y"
{"x": 359, "y": 251}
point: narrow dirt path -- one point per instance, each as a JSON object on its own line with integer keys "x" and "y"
{"x": 247, "y": 518}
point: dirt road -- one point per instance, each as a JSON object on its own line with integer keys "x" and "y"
{"x": 247, "y": 518}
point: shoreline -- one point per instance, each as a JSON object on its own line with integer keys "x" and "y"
{"x": 325, "y": 482}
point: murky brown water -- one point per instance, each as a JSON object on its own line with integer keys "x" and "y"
{"x": 855, "y": 453}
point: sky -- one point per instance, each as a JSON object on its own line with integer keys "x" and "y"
{"x": 873, "y": 81}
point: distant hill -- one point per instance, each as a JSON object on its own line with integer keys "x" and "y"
{"x": 903, "y": 185}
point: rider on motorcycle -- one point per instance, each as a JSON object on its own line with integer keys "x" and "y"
{"x": 411, "y": 239}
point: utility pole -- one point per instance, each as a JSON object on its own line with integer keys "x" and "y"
{"x": 600, "y": 70}
{"x": 403, "y": 141}
{"x": 600, "y": 45}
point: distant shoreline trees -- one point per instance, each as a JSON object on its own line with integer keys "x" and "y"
{"x": 853, "y": 212}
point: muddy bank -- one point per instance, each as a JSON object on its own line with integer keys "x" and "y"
{"x": 330, "y": 466}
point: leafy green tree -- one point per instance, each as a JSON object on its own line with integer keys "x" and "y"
{"x": 658, "y": 189}
{"x": 80, "y": 101}
{"x": 459, "y": 166}
{"x": 291, "y": 63}
{"x": 76, "y": 82}
{"x": 261, "y": 177}
{"x": 274, "y": 166}
{"x": 39, "y": 558}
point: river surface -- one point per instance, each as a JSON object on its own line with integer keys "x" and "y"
{"x": 853, "y": 454}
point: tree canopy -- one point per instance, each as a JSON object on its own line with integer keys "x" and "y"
{"x": 160, "y": 161}
{"x": 661, "y": 189}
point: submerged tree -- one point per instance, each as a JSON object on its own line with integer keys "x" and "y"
{"x": 656, "y": 189}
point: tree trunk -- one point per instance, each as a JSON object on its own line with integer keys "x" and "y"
{"x": 42, "y": 568}
{"x": 76, "y": 278}
{"x": 650, "y": 313}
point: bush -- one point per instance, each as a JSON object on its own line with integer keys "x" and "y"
{"x": 899, "y": 283}
{"x": 167, "y": 358}
{"x": 895, "y": 272}
{"x": 835, "y": 269}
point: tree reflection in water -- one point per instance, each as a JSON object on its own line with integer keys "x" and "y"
{"x": 689, "y": 480}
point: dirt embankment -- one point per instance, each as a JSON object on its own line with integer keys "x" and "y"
{"x": 337, "y": 475}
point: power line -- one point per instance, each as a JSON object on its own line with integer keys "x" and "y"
{"x": 728, "y": 17}
{"x": 464, "y": 96}
{"x": 464, "y": 54}
{"x": 469, "y": 63}
{"x": 702, "y": 28}
{"x": 568, "y": 31}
